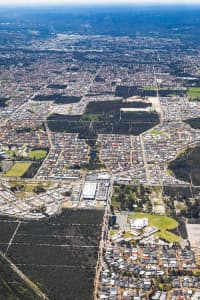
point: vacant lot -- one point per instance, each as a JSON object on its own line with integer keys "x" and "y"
{"x": 194, "y": 234}
{"x": 18, "y": 169}
{"x": 59, "y": 254}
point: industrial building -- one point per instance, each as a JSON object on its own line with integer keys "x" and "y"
{"x": 89, "y": 190}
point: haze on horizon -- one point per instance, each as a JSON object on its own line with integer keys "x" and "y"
{"x": 94, "y": 2}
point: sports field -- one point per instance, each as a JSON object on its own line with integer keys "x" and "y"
{"x": 193, "y": 92}
{"x": 37, "y": 154}
{"x": 157, "y": 132}
{"x": 18, "y": 169}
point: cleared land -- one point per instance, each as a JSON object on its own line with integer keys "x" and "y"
{"x": 18, "y": 169}
{"x": 164, "y": 223}
{"x": 194, "y": 234}
{"x": 37, "y": 154}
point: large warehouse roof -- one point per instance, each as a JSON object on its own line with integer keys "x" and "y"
{"x": 89, "y": 190}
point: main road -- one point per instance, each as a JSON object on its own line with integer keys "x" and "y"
{"x": 103, "y": 241}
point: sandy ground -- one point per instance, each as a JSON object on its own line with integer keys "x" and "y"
{"x": 134, "y": 99}
{"x": 153, "y": 100}
{"x": 194, "y": 234}
{"x": 135, "y": 109}
{"x": 155, "y": 103}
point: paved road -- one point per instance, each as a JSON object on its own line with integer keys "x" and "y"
{"x": 103, "y": 241}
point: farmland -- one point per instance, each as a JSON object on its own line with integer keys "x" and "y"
{"x": 58, "y": 254}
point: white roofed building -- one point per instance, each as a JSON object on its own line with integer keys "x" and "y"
{"x": 139, "y": 223}
{"x": 89, "y": 190}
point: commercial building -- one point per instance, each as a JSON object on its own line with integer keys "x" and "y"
{"x": 89, "y": 190}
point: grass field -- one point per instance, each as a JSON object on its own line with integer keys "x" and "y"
{"x": 10, "y": 152}
{"x": 163, "y": 223}
{"x": 156, "y": 132}
{"x": 170, "y": 172}
{"x": 18, "y": 169}
{"x": 90, "y": 117}
{"x": 193, "y": 92}
{"x": 168, "y": 236}
{"x": 28, "y": 187}
{"x": 151, "y": 87}
{"x": 113, "y": 232}
{"x": 37, "y": 154}
{"x": 128, "y": 235}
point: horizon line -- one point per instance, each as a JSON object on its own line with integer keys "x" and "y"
{"x": 89, "y": 4}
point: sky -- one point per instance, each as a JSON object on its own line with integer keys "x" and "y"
{"x": 93, "y": 2}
